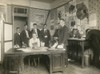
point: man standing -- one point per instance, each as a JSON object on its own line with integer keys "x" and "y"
{"x": 46, "y": 35}
{"x": 25, "y": 36}
{"x": 34, "y": 30}
{"x": 17, "y": 38}
{"x": 63, "y": 35}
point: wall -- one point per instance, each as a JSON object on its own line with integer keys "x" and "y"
{"x": 37, "y": 16}
{"x": 57, "y": 3}
{"x": 19, "y": 22}
{"x": 69, "y": 17}
{"x": 30, "y": 3}
{"x": 94, "y": 6}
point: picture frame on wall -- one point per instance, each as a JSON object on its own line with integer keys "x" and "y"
{"x": 39, "y": 19}
{"x": 61, "y": 12}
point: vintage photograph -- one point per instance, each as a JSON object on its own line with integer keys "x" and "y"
{"x": 49, "y": 37}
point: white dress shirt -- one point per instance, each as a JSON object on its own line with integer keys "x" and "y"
{"x": 34, "y": 42}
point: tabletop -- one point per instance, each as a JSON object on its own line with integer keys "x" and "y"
{"x": 40, "y": 50}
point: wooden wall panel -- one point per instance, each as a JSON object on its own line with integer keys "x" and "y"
{"x": 9, "y": 14}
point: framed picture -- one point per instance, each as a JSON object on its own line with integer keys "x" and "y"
{"x": 61, "y": 12}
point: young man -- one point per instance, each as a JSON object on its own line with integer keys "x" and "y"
{"x": 34, "y": 30}
{"x": 63, "y": 35}
{"x": 17, "y": 38}
{"x": 34, "y": 42}
{"x": 75, "y": 33}
{"x": 25, "y": 36}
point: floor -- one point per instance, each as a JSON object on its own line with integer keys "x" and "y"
{"x": 71, "y": 69}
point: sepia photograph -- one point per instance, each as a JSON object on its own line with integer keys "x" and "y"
{"x": 49, "y": 37}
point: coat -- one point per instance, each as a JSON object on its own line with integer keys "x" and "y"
{"x": 24, "y": 37}
{"x": 17, "y": 39}
{"x": 39, "y": 32}
{"x": 63, "y": 35}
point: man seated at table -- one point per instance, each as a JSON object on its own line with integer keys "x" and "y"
{"x": 93, "y": 37}
{"x": 75, "y": 34}
{"x": 34, "y": 43}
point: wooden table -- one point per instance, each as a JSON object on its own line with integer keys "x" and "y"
{"x": 56, "y": 57}
{"x": 82, "y": 44}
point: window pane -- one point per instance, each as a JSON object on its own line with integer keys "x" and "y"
{"x": 8, "y": 32}
{"x": 1, "y": 24}
{"x": 0, "y": 32}
{"x": 7, "y": 46}
{"x": 0, "y": 51}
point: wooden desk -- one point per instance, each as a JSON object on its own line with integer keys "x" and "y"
{"x": 82, "y": 44}
{"x": 56, "y": 57}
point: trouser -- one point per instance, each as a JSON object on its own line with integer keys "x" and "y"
{"x": 96, "y": 58}
{"x": 66, "y": 56}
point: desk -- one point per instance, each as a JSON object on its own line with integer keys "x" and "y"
{"x": 81, "y": 42}
{"x": 56, "y": 57}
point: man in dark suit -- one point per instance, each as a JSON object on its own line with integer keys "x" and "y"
{"x": 17, "y": 38}
{"x": 63, "y": 35}
{"x": 75, "y": 34}
{"x": 37, "y": 32}
{"x": 46, "y": 36}
{"x": 93, "y": 37}
{"x": 25, "y": 36}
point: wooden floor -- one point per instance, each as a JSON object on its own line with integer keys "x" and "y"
{"x": 71, "y": 69}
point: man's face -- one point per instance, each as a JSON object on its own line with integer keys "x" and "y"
{"x": 62, "y": 23}
{"x": 18, "y": 30}
{"x": 45, "y": 26}
{"x": 34, "y": 35}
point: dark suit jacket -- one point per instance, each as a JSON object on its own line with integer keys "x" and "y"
{"x": 93, "y": 36}
{"x": 56, "y": 33}
{"x": 17, "y": 39}
{"x": 40, "y": 34}
{"x": 46, "y": 39}
{"x": 63, "y": 35}
{"x": 24, "y": 37}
